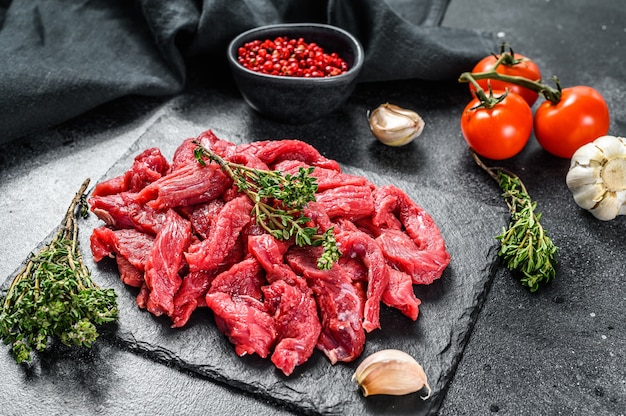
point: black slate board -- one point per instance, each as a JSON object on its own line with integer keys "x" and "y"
{"x": 449, "y": 308}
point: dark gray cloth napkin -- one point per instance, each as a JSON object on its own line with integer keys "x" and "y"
{"x": 60, "y": 58}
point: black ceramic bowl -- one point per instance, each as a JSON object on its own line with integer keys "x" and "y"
{"x": 298, "y": 99}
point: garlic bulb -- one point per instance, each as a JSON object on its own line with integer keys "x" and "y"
{"x": 395, "y": 126}
{"x": 597, "y": 177}
{"x": 391, "y": 372}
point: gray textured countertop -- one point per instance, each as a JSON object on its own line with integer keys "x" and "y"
{"x": 558, "y": 351}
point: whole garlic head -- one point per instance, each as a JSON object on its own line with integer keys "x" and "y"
{"x": 597, "y": 177}
{"x": 395, "y": 126}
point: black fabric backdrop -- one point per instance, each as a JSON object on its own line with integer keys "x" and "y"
{"x": 60, "y": 58}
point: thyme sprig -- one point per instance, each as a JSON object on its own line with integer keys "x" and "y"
{"x": 53, "y": 295}
{"x": 279, "y": 200}
{"x": 524, "y": 245}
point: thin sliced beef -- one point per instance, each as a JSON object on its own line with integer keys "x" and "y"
{"x": 354, "y": 243}
{"x": 272, "y": 152}
{"x": 123, "y": 211}
{"x": 189, "y": 184}
{"x": 129, "y": 274}
{"x": 131, "y": 244}
{"x": 395, "y": 210}
{"x": 342, "y": 338}
{"x": 196, "y": 284}
{"x": 186, "y": 237}
{"x": 347, "y": 201}
{"x": 399, "y": 294}
{"x": 209, "y": 254}
{"x": 147, "y": 167}
{"x": 245, "y": 278}
{"x": 326, "y": 178}
{"x": 270, "y": 252}
{"x": 209, "y": 140}
{"x": 190, "y": 295}
{"x": 295, "y": 316}
{"x": 290, "y": 301}
{"x": 235, "y": 297}
{"x": 424, "y": 266}
{"x": 202, "y": 216}
{"x": 244, "y": 320}
{"x": 164, "y": 263}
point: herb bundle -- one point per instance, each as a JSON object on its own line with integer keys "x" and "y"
{"x": 278, "y": 203}
{"x": 53, "y": 296}
{"x": 524, "y": 246}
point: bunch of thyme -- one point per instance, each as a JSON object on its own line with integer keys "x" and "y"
{"x": 278, "y": 203}
{"x": 53, "y": 296}
{"x": 524, "y": 246}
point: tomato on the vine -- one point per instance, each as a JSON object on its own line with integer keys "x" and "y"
{"x": 518, "y": 65}
{"x": 499, "y": 132}
{"x": 580, "y": 116}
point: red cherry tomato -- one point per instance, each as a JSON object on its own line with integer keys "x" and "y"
{"x": 522, "y": 67}
{"x": 499, "y": 132}
{"x": 580, "y": 117}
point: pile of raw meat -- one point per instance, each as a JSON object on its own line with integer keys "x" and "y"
{"x": 184, "y": 235}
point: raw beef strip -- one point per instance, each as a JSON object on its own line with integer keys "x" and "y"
{"x": 202, "y": 216}
{"x": 235, "y": 299}
{"x": 131, "y": 244}
{"x": 290, "y": 301}
{"x": 184, "y": 154}
{"x": 347, "y": 201}
{"x": 269, "y": 253}
{"x": 342, "y": 337}
{"x": 399, "y": 294}
{"x": 243, "y": 279}
{"x": 295, "y": 316}
{"x": 326, "y": 178}
{"x": 142, "y": 296}
{"x": 396, "y": 210}
{"x": 244, "y": 320}
{"x": 223, "y": 148}
{"x": 424, "y": 266}
{"x": 189, "y": 296}
{"x": 223, "y": 236}
{"x": 189, "y": 184}
{"x": 147, "y": 167}
{"x": 129, "y": 274}
{"x": 110, "y": 186}
{"x": 123, "y": 211}
{"x": 196, "y": 284}
{"x": 276, "y": 151}
{"x": 164, "y": 263}
{"x": 355, "y": 243}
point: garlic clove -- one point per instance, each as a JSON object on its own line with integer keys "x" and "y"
{"x": 610, "y": 146}
{"x": 588, "y": 196}
{"x": 587, "y": 154}
{"x": 582, "y": 175}
{"x": 394, "y": 125}
{"x": 391, "y": 372}
{"x": 607, "y": 209}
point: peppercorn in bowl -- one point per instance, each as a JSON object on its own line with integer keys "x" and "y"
{"x": 296, "y": 72}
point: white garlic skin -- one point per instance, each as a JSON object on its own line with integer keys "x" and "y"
{"x": 395, "y": 126}
{"x": 597, "y": 177}
{"x": 391, "y": 372}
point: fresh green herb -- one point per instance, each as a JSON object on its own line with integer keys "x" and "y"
{"x": 278, "y": 203}
{"x": 53, "y": 296}
{"x": 524, "y": 246}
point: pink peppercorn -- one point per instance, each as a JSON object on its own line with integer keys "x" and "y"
{"x": 290, "y": 57}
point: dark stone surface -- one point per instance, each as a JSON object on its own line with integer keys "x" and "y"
{"x": 558, "y": 351}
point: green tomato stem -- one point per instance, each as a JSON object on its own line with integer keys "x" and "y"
{"x": 551, "y": 94}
